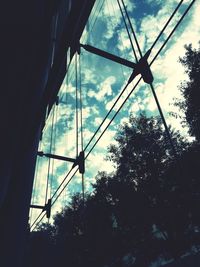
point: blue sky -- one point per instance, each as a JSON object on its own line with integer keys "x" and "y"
{"x": 102, "y": 81}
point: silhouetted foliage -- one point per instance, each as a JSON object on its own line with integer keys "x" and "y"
{"x": 147, "y": 208}
{"x": 190, "y": 90}
{"x": 41, "y": 247}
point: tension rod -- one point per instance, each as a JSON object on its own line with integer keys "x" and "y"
{"x": 107, "y": 55}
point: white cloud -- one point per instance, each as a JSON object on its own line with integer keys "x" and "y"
{"x": 123, "y": 41}
{"x": 91, "y": 93}
{"x": 112, "y": 102}
{"x": 89, "y": 74}
{"x": 104, "y": 89}
{"x": 135, "y": 108}
{"x": 97, "y": 121}
{"x": 106, "y": 140}
{"x": 96, "y": 162}
{"x": 87, "y": 135}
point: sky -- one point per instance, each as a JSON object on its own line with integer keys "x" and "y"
{"x": 102, "y": 80}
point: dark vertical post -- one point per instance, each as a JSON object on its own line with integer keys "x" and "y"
{"x": 15, "y": 209}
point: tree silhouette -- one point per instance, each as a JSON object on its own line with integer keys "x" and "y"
{"x": 146, "y": 168}
{"x": 146, "y": 208}
{"x": 41, "y": 247}
{"x": 190, "y": 90}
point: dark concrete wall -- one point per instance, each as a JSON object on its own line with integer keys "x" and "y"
{"x": 25, "y": 28}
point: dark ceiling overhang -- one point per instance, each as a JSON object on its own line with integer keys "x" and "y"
{"x": 73, "y": 27}
{"x": 30, "y": 85}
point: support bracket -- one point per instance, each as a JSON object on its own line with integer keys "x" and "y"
{"x": 79, "y": 161}
{"x": 107, "y": 55}
{"x": 52, "y": 156}
{"x": 143, "y": 68}
{"x": 74, "y": 47}
{"x": 46, "y": 207}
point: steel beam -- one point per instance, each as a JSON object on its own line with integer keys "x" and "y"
{"x": 48, "y": 155}
{"x": 107, "y": 55}
{"x": 37, "y": 207}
